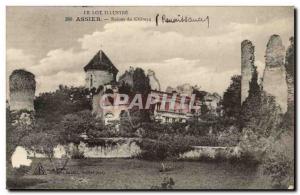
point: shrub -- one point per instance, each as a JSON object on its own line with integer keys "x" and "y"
{"x": 217, "y": 157}
{"x": 279, "y": 161}
{"x": 253, "y": 147}
{"x": 208, "y": 140}
{"x": 229, "y": 137}
{"x": 166, "y": 147}
{"x": 154, "y": 130}
{"x": 77, "y": 154}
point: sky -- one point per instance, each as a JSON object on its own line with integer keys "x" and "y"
{"x": 39, "y": 40}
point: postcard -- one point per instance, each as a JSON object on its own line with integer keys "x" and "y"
{"x": 150, "y": 98}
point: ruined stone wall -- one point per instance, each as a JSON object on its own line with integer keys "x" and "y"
{"x": 247, "y": 62}
{"x": 22, "y": 87}
{"x": 274, "y": 77}
{"x": 289, "y": 65}
{"x": 98, "y": 78}
{"x": 121, "y": 148}
{"x": 21, "y": 100}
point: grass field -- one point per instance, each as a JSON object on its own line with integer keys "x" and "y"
{"x": 139, "y": 174}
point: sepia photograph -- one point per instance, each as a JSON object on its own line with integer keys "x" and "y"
{"x": 150, "y": 98}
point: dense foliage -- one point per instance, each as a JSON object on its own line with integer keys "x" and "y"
{"x": 267, "y": 135}
{"x": 166, "y": 147}
{"x": 53, "y": 106}
{"x": 19, "y": 125}
{"x": 232, "y": 98}
{"x": 279, "y": 164}
{"x": 257, "y": 127}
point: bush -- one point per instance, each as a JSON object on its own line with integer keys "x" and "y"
{"x": 217, "y": 157}
{"x": 208, "y": 140}
{"x": 279, "y": 170}
{"x": 253, "y": 147}
{"x": 154, "y": 130}
{"x": 69, "y": 99}
{"x": 166, "y": 147}
{"x": 279, "y": 161}
{"x": 171, "y": 146}
{"x": 199, "y": 128}
{"x": 108, "y": 131}
{"x": 77, "y": 154}
{"x": 229, "y": 137}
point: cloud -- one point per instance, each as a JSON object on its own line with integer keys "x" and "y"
{"x": 176, "y": 71}
{"x": 58, "y": 67}
{"x": 60, "y": 60}
{"x": 52, "y": 82}
{"x": 206, "y": 60}
{"x": 260, "y": 34}
{"x": 17, "y": 59}
{"x": 140, "y": 42}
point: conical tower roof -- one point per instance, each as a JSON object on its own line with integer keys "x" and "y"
{"x": 101, "y": 62}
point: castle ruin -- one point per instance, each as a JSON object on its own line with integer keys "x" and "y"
{"x": 274, "y": 77}
{"x": 22, "y": 87}
{"x": 247, "y": 61}
{"x": 290, "y": 71}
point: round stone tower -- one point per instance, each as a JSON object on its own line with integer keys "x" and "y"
{"x": 274, "y": 77}
{"x": 290, "y": 72}
{"x": 100, "y": 71}
{"x": 22, "y": 87}
{"x": 247, "y": 62}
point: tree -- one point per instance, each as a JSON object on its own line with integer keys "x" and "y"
{"x": 252, "y": 104}
{"x": 199, "y": 94}
{"x": 260, "y": 111}
{"x": 64, "y": 100}
{"x": 140, "y": 82}
{"x": 74, "y": 127}
{"x": 204, "y": 109}
{"x": 125, "y": 88}
{"x": 290, "y": 58}
{"x": 229, "y": 137}
{"x": 290, "y": 73}
{"x": 141, "y": 86}
{"x": 253, "y": 146}
{"x": 279, "y": 161}
{"x": 44, "y": 138}
{"x": 232, "y": 98}
{"x": 47, "y": 135}
{"x": 18, "y": 126}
